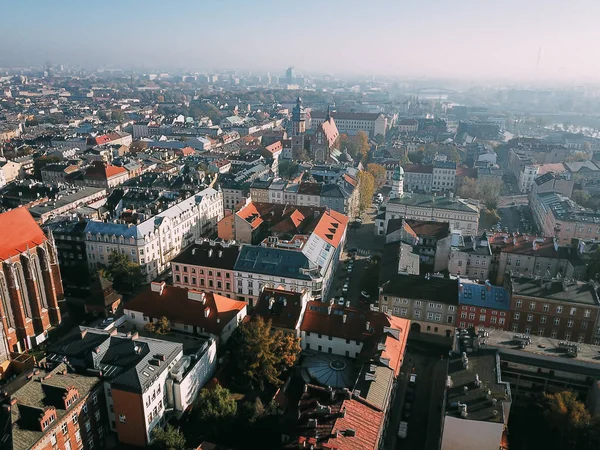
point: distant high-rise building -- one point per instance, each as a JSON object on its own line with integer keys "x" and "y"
{"x": 290, "y": 75}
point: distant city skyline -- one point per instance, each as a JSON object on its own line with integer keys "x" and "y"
{"x": 468, "y": 39}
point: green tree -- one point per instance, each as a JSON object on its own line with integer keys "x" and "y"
{"x": 102, "y": 115}
{"x": 117, "y": 115}
{"x": 161, "y": 326}
{"x": 567, "y": 415}
{"x": 378, "y": 172}
{"x": 168, "y": 438}
{"x": 416, "y": 157}
{"x": 215, "y": 409}
{"x": 366, "y": 186}
{"x": 379, "y": 139}
{"x": 300, "y": 154}
{"x": 259, "y": 355}
{"x": 582, "y": 198}
{"x": 42, "y": 161}
{"x": 124, "y": 274}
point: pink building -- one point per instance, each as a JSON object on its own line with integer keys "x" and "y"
{"x": 206, "y": 266}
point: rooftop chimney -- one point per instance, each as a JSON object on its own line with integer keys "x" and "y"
{"x": 368, "y": 325}
{"x": 344, "y": 317}
{"x": 158, "y": 287}
{"x": 329, "y": 310}
{"x": 206, "y": 312}
{"x": 197, "y": 296}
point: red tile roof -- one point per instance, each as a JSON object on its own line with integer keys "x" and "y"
{"x": 187, "y": 151}
{"x": 104, "y": 171}
{"x": 250, "y": 214}
{"x": 331, "y": 131}
{"x": 318, "y": 320}
{"x": 18, "y": 230}
{"x": 274, "y": 147}
{"x": 175, "y": 304}
{"x": 331, "y": 227}
{"x": 348, "y": 179}
{"x": 366, "y": 420}
{"x": 104, "y": 139}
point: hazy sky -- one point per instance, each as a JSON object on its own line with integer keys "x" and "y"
{"x": 453, "y": 38}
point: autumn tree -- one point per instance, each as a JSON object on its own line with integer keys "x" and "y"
{"x": 161, "y": 326}
{"x": 378, "y": 172}
{"x": 366, "y": 185}
{"x": 259, "y": 355}
{"x": 468, "y": 188}
{"x": 362, "y": 144}
{"x": 168, "y": 438}
{"x": 567, "y": 415}
{"x": 124, "y": 274}
{"x": 486, "y": 191}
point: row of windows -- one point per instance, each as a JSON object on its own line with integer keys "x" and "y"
{"x": 543, "y": 319}
{"x": 559, "y": 308}
{"x": 201, "y": 271}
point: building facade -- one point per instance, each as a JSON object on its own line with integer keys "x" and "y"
{"x": 431, "y": 303}
{"x": 153, "y": 243}
{"x": 31, "y": 290}
{"x": 207, "y": 266}
{"x": 559, "y": 309}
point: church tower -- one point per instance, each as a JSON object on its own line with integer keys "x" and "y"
{"x": 298, "y": 125}
{"x": 397, "y": 182}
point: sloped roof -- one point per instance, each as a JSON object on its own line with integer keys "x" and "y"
{"x": 175, "y": 304}
{"x": 331, "y": 227}
{"x": 18, "y": 231}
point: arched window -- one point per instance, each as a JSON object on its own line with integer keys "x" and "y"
{"x": 20, "y": 281}
{"x": 5, "y": 298}
{"x": 37, "y": 270}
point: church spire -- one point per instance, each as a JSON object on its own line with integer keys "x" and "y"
{"x": 328, "y": 115}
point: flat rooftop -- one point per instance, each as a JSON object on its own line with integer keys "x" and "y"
{"x": 545, "y": 348}
{"x": 477, "y": 386}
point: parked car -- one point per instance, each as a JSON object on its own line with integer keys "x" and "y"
{"x": 407, "y": 410}
{"x": 403, "y": 430}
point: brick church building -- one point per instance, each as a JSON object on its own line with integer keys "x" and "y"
{"x": 31, "y": 291}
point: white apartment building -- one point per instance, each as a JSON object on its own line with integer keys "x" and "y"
{"x": 444, "y": 176}
{"x": 527, "y": 177}
{"x": 153, "y": 243}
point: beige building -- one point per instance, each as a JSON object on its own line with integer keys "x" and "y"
{"x": 461, "y": 215}
{"x": 10, "y": 170}
{"x": 351, "y": 123}
{"x": 431, "y": 303}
